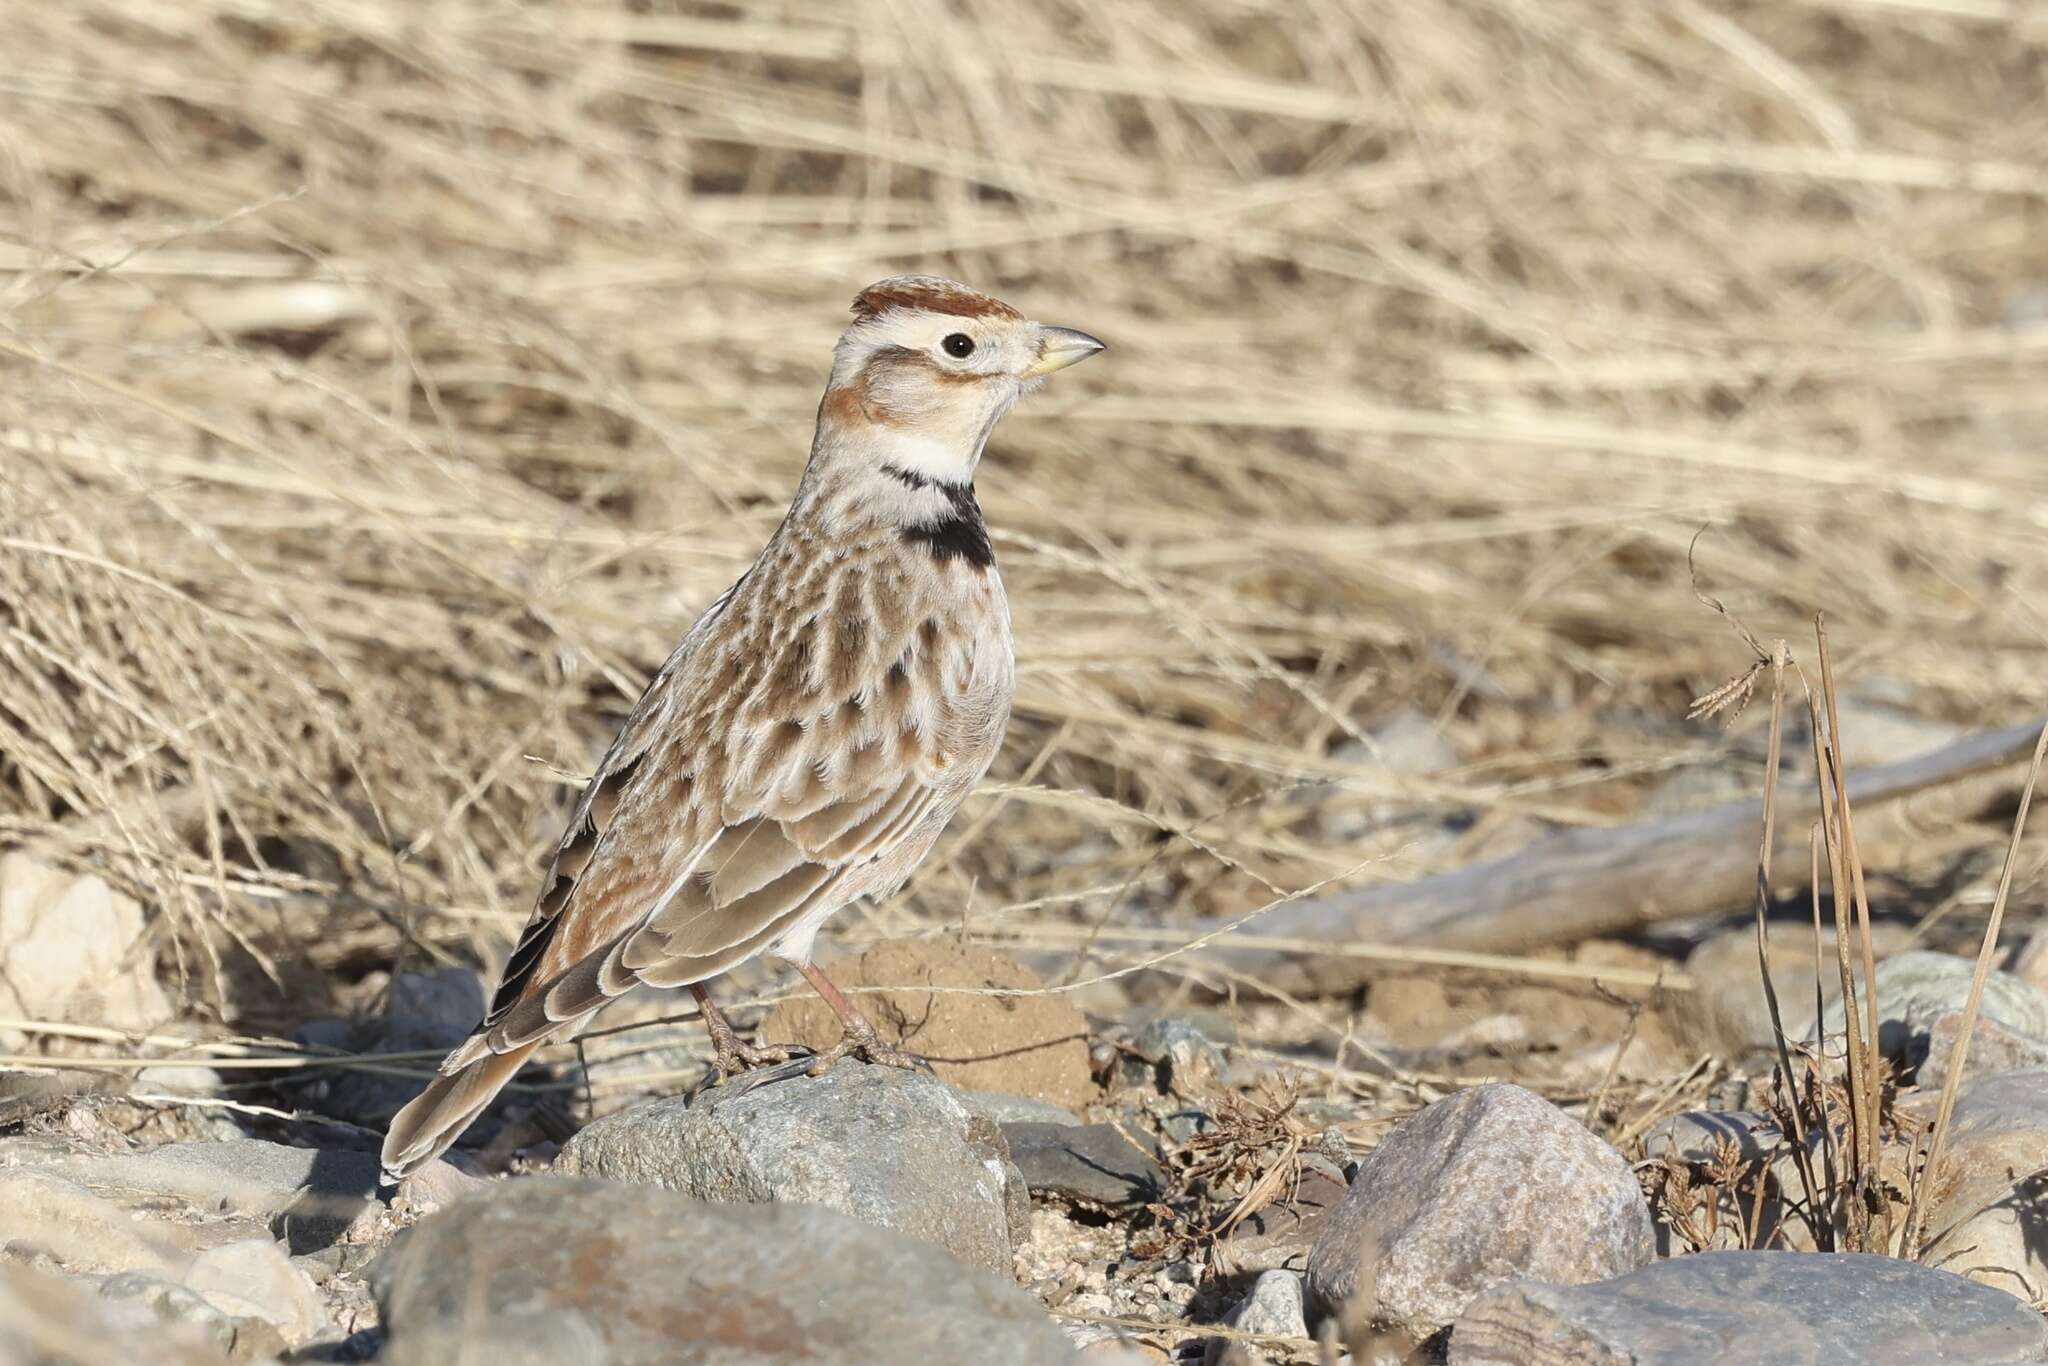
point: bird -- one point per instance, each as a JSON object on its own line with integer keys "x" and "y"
{"x": 811, "y": 734}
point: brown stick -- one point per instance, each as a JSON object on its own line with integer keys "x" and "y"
{"x": 1852, "y": 860}
{"x": 1766, "y": 842}
{"x": 1581, "y": 884}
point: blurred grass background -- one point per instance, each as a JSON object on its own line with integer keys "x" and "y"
{"x": 384, "y": 386}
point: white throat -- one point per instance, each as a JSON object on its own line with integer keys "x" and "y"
{"x": 940, "y": 462}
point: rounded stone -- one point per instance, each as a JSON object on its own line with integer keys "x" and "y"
{"x": 1481, "y": 1187}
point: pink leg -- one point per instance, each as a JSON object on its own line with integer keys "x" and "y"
{"x": 857, "y": 1037}
{"x": 729, "y": 1056}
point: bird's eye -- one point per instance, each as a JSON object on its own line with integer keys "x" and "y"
{"x": 958, "y": 345}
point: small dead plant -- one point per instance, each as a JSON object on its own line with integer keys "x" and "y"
{"x": 1835, "y": 1107}
{"x": 1247, "y": 1159}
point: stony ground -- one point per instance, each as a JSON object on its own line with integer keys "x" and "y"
{"x": 1482, "y": 1170}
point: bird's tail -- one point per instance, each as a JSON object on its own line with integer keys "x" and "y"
{"x": 436, "y": 1117}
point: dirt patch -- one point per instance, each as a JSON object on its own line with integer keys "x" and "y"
{"x": 1023, "y": 1045}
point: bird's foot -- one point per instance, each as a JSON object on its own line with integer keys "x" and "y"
{"x": 732, "y": 1058}
{"x": 858, "y": 1039}
{"x": 736, "y": 1073}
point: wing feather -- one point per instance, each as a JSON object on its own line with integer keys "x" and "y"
{"x": 772, "y": 771}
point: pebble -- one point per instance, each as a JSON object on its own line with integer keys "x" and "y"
{"x": 1695, "y": 1139}
{"x": 252, "y": 1246}
{"x": 1277, "y": 1306}
{"x": 52, "y": 1221}
{"x": 1752, "y": 1309}
{"x": 1726, "y": 1010}
{"x": 1989, "y": 1199}
{"x": 179, "y": 1079}
{"x": 1994, "y": 1047}
{"x": 1483, "y": 1186}
{"x": 1699, "y": 786}
{"x": 311, "y": 1195}
{"x": 237, "y": 1338}
{"x": 1877, "y": 730}
{"x": 53, "y": 1320}
{"x": 69, "y": 951}
{"x": 542, "y": 1271}
{"x": 1917, "y": 987}
{"x": 1695, "y": 1136}
{"x": 1174, "y": 1056}
{"x": 2029, "y": 960}
{"x": 1104, "y": 1165}
{"x": 997, "y": 1108}
{"x": 892, "y": 1147}
{"x": 254, "y": 1278}
{"x": 1405, "y": 744}
{"x": 1181, "y": 1125}
{"x": 26, "y": 1094}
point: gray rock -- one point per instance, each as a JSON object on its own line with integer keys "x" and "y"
{"x": 997, "y": 1108}
{"x": 1988, "y": 1202}
{"x": 1917, "y": 987}
{"x": 895, "y": 1148}
{"x": 1095, "y": 1164}
{"x": 202, "y": 1219}
{"x": 239, "y": 1339}
{"x": 47, "y": 1219}
{"x": 25, "y": 1094}
{"x": 432, "y": 1187}
{"x": 1178, "y": 1126}
{"x": 310, "y": 1195}
{"x": 1277, "y": 1306}
{"x": 1726, "y": 1008}
{"x": 1174, "y": 1057}
{"x": 253, "y": 1278}
{"x": 1994, "y": 1047}
{"x": 319, "y": 1266}
{"x": 57, "y": 1321}
{"x": 1694, "y": 1136}
{"x": 546, "y": 1271}
{"x": 1711, "y": 782}
{"x": 1481, "y": 1187}
{"x": 1752, "y": 1309}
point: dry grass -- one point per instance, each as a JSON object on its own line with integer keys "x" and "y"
{"x": 1863, "y": 1166}
{"x": 383, "y": 388}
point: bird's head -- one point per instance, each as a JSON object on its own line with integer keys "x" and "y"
{"x": 929, "y": 366}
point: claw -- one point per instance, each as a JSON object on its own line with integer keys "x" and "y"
{"x": 857, "y": 1039}
{"x": 737, "y": 1059}
{"x": 732, "y": 1057}
{"x": 798, "y": 1065}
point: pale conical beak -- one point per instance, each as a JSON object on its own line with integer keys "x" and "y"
{"x": 1059, "y": 347}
